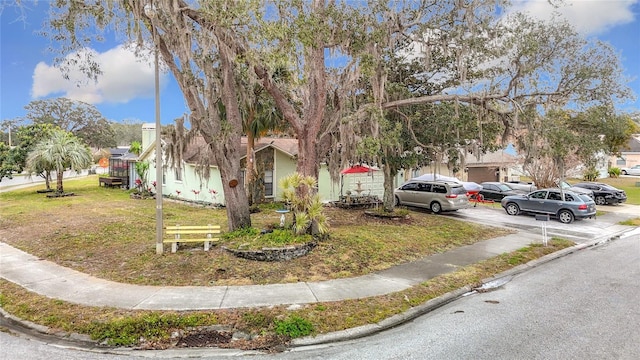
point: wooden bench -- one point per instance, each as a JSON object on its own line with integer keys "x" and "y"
{"x": 210, "y": 231}
{"x": 109, "y": 181}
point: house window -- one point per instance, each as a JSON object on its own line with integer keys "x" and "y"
{"x": 621, "y": 162}
{"x": 164, "y": 176}
{"x": 268, "y": 183}
{"x": 178, "y": 174}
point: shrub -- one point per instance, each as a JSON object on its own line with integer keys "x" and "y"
{"x": 308, "y": 215}
{"x": 591, "y": 174}
{"x": 614, "y": 172}
{"x": 294, "y": 327}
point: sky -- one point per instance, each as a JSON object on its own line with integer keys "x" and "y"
{"x": 126, "y": 89}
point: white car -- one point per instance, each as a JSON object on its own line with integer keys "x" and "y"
{"x": 634, "y": 170}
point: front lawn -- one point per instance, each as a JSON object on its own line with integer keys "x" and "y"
{"x": 103, "y": 232}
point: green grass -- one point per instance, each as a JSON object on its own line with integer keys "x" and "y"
{"x": 102, "y": 232}
{"x": 128, "y": 327}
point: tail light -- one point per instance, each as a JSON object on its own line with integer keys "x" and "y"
{"x": 582, "y": 207}
{"x": 452, "y": 196}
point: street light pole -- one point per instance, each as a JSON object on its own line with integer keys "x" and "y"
{"x": 150, "y": 12}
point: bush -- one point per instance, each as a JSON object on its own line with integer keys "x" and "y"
{"x": 294, "y": 327}
{"x": 591, "y": 174}
{"x": 614, "y": 172}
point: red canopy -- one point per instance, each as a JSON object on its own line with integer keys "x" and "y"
{"x": 357, "y": 169}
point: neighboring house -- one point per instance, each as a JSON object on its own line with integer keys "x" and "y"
{"x": 276, "y": 158}
{"x": 629, "y": 154}
{"x": 494, "y": 166}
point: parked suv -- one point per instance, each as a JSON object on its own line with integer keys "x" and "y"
{"x": 565, "y": 205}
{"x": 604, "y": 193}
{"x": 437, "y": 196}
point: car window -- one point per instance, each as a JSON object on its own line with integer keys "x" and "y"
{"x": 458, "y": 190}
{"x": 568, "y": 197}
{"x": 440, "y": 189}
{"x": 554, "y": 196}
{"x": 538, "y": 195}
{"x": 409, "y": 186}
{"x": 504, "y": 187}
{"x": 424, "y": 187}
{"x": 489, "y": 187}
{"x": 585, "y": 198}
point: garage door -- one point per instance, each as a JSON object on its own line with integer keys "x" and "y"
{"x": 482, "y": 174}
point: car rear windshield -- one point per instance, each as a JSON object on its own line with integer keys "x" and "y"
{"x": 458, "y": 190}
{"x": 586, "y": 198}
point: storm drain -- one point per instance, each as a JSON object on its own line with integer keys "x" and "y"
{"x": 205, "y": 339}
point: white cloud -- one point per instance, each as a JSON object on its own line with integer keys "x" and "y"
{"x": 588, "y": 16}
{"x": 124, "y": 78}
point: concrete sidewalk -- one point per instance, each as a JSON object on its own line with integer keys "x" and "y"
{"x": 51, "y": 280}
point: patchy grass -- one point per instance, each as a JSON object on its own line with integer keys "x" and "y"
{"x": 153, "y": 329}
{"x": 631, "y": 222}
{"x": 102, "y": 232}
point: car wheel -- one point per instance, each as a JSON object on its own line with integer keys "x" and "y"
{"x": 512, "y": 209}
{"x": 565, "y": 216}
{"x": 397, "y": 201}
{"x": 436, "y": 208}
{"x": 600, "y": 200}
{"x": 624, "y": 172}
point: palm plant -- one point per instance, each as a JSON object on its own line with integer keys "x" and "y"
{"x": 60, "y": 151}
{"x": 308, "y": 215}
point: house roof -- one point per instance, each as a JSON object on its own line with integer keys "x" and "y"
{"x": 633, "y": 146}
{"x": 497, "y": 158}
{"x": 198, "y": 148}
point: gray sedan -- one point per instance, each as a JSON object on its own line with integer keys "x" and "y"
{"x": 564, "y": 205}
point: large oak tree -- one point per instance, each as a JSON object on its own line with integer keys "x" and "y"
{"x": 338, "y": 53}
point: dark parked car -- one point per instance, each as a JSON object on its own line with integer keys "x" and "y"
{"x": 576, "y": 189}
{"x": 604, "y": 193}
{"x": 521, "y": 185}
{"x": 551, "y": 202}
{"x": 497, "y": 190}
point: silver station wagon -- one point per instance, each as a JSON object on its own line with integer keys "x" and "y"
{"x": 438, "y": 196}
{"x": 551, "y": 202}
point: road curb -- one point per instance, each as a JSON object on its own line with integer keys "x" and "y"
{"x": 83, "y": 342}
{"x": 414, "y": 312}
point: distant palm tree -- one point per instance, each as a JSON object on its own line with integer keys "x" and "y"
{"x": 60, "y": 151}
{"x": 135, "y": 148}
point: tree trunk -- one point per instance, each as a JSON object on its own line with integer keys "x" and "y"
{"x": 236, "y": 201}
{"x": 47, "y": 180}
{"x": 59, "y": 175}
{"x": 388, "y": 198}
{"x": 307, "y": 154}
{"x": 250, "y": 170}
{"x": 227, "y": 151}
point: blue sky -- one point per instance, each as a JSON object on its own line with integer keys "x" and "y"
{"x": 126, "y": 91}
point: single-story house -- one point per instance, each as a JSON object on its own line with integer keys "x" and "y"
{"x": 629, "y": 154}
{"x": 275, "y": 159}
{"x": 499, "y": 165}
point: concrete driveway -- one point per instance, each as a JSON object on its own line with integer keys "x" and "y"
{"x": 580, "y": 231}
